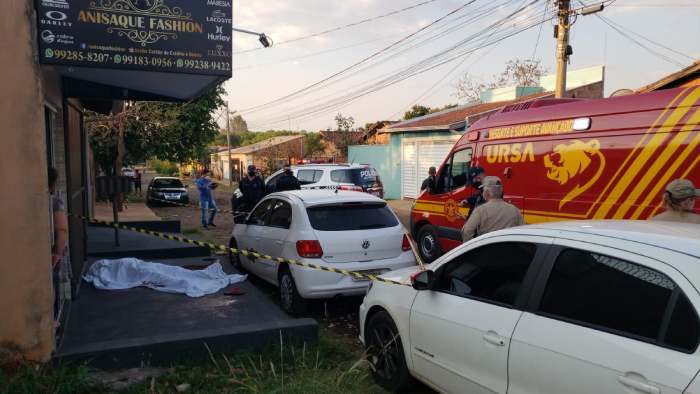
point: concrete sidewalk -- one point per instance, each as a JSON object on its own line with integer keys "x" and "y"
{"x": 402, "y": 209}
{"x": 132, "y": 212}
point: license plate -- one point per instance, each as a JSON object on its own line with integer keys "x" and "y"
{"x": 172, "y": 196}
{"x": 374, "y": 273}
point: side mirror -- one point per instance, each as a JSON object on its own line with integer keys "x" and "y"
{"x": 422, "y": 280}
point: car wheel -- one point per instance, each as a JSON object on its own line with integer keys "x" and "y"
{"x": 385, "y": 353}
{"x": 290, "y": 299}
{"x": 428, "y": 245}
{"x": 235, "y": 258}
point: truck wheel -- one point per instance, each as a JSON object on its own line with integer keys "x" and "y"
{"x": 290, "y": 299}
{"x": 235, "y": 258}
{"x": 428, "y": 245}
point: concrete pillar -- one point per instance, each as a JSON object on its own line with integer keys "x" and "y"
{"x": 26, "y": 295}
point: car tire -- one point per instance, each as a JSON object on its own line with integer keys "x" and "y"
{"x": 385, "y": 353}
{"x": 428, "y": 245}
{"x": 235, "y": 258}
{"x": 290, "y": 299}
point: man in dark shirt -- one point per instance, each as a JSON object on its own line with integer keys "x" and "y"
{"x": 476, "y": 176}
{"x": 287, "y": 181}
{"x": 253, "y": 189}
{"x": 430, "y": 182}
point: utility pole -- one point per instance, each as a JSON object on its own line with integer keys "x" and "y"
{"x": 228, "y": 145}
{"x": 563, "y": 51}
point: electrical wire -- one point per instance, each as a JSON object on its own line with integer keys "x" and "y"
{"x": 349, "y": 25}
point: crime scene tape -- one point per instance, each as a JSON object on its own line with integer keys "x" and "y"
{"x": 194, "y": 206}
{"x": 247, "y": 253}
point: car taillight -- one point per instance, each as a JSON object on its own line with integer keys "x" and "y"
{"x": 405, "y": 244}
{"x": 310, "y": 249}
{"x": 353, "y": 188}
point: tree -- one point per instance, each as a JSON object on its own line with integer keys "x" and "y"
{"x": 516, "y": 73}
{"x": 178, "y": 132}
{"x": 238, "y": 124}
{"x": 416, "y": 111}
{"x": 313, "y": 144}
{"x": 344, "y": 123}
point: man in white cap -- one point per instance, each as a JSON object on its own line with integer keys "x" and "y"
{"x": 679, "y": 201}
{"x": 495, "y": 214}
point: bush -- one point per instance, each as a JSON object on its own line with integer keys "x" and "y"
{"x": 164, "y": 167}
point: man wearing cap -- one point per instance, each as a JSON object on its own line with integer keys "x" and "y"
{"x": 476, "y": 176}
{"x": 679, "y": 202}
{"x": 287, "y": 181}
{"x": 253, "y": 189}
{"x": 493, "y": 215}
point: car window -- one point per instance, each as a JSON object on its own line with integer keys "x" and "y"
{"x": 607, "y": 293}
{"x": 683, "y": 329}
{"x": 363, "y": 217}
{"x": 167, "y": 183}
{"x": 365, "y": 176}
{"x": 455, "y": 173}
{"x": 307, "y": 177}
{"x": 260, "y": 215}
{"x": 493, "y": 273}
{"x": 281, "y": 214}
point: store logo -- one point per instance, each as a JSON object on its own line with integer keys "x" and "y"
{"x": 219, "y": 35}
{"x": 218, "y": 16}
{"x": 218, "y": 52}
{"x": 219, "y": 3}
{"x": 56, "y": 15}
{"x": 55, "y": 4}
{"x": 47, "y": 36}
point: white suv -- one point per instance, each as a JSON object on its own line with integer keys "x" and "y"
{"x": 342, "y": 229}
{"x": 567, "y": 307}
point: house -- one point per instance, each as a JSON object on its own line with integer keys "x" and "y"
{"x": 336, "y": 142}
{"x": 689, "y": 76}
{"x": 371, "y": 136}
{"x": 417, "y": 144}
{"x": 268, "y": 156}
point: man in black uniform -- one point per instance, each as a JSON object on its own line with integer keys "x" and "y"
{"x": 430, "y": 182}
{"x": 287, "y": 181}
{"x": 476, "y": 176}
{"x": 253, "y": 189}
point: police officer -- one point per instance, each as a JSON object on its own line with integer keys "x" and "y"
{"x": 679, "y": 201}
{"x": 287, "y": 181}
{"x": 430, "y": 182}
{"x": 253, "y": 189}
{"x": 476, "y": 177}
{"x": 494, "y": 214}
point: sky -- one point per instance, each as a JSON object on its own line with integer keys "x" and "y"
{"x": 261, "y": 76}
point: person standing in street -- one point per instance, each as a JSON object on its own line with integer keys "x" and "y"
{"x": 137, "y": 182}
{"x": 253, "y": 189}
{"x": 430, "y": 183}
{"x": 679, "y": 202}
{"x": 287, "y": 181}
{"x": 493, "y": 215}
{"x": 206, "y": 199}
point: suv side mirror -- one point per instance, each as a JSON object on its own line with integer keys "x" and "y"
{"x": 422, "y": 280}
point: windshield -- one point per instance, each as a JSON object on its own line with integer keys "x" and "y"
{"x": 351, "y": 216}
{"x": 167, "y": 183}
{"x": 358, "y": 176}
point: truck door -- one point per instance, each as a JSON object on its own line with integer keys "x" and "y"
{"x": 455, "y": 178}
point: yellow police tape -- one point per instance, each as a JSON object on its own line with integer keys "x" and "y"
{"x": 278, "y": 260}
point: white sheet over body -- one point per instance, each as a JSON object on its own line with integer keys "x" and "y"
{"x": 131, "y": 272}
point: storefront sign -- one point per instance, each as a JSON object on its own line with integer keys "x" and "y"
{"x": 181, "y": 36}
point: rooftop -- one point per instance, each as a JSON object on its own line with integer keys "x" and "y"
{"x": 674, "y": 80}
{"x": 325, "y": 196}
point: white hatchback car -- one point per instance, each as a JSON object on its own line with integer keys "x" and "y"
{"x": 568, "y": 307}
{"x": 343, "y": 229}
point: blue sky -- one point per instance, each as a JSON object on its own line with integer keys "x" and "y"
{"x": 264, "y": 75}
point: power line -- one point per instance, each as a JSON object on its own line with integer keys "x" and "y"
{"x": 539, "y": 32}
{"x": 366, "y": 20}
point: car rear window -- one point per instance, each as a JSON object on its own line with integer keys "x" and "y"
{"x": 348, "y": 217}
{"x": 167, "y": 183}
{"x": 357, "y": 176}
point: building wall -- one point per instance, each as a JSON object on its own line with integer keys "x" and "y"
{"x": 26, "y": 294}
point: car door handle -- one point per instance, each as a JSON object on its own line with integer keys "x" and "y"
{"x": 637, "y": 385}
{"x": 493, "y": 338}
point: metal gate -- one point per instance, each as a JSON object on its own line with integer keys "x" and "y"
{"x": 416, "y": 158}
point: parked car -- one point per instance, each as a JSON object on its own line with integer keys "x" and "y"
{"x": 565, "y": 307}
{"x": 313, "y": 226}
{"x": 355, "y": 177}
{"x": 166, "y": 188}
{"x": 128, "y": 171}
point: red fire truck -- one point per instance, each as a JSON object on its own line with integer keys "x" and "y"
{"x": 567, "y": 159}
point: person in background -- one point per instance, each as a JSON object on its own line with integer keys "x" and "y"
{"x": 60, "y": 222}
{"x": 679, "y": 202}
{"x": 253, "y": 189}
{"x": 137, "y": 181}
{"x": 287, "y": 181}
{"x": 430, "y": 183}
{"x": 206, "y": 199}
{"x": 493, "y": 215}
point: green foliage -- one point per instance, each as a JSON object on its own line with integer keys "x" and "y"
{"x": 178, "y": 132}
{"x": 30, "y": 379}
{"x": 312, "y": 144}
{"x": 164, "y": 167}
{"x": 416, "y": 111}
{"x": 238, "y": 124}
